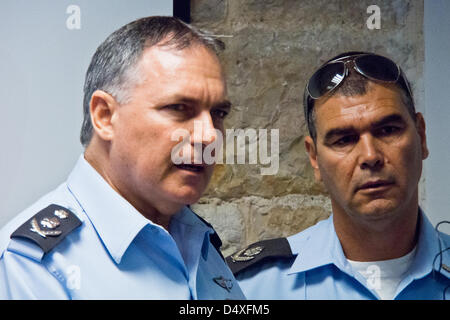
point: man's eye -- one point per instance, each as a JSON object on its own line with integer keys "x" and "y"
{"x": 220, "y": 114}
{"x": 177, "y": 107}
{"x": 344, "y": 141}
{"x": 388, "y": 130}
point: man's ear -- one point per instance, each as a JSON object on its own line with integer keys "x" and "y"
{"x": 312, "y": 152}
{"x": 420, "y": 125}
{"x": 102, "y": 108}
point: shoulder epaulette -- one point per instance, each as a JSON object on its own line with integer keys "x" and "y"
{"x": 257, "y": 252}
{"x": 48, "y": 227}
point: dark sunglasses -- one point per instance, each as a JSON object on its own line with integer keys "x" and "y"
{"x": 371, "y": 66}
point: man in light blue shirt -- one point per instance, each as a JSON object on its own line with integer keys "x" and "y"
{"x": 366, "y": 146}
{"x": 316, "y": 268}
{"x": 121, "y": 227}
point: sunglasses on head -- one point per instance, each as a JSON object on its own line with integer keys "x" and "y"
{"x": 333, "y": 73}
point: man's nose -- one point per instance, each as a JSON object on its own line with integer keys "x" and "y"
{"x": 370, "y": 155}
{"x": 204, "y": 131}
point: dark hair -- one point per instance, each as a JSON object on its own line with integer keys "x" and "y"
{"x": 113, "y": 65}
{"x": 354, "y": 84}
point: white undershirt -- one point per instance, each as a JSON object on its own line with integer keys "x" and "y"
{"x": 384, "y": 276}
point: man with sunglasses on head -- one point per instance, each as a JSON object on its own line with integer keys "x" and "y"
{"x": 366, "y": 145}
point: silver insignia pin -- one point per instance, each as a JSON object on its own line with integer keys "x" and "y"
{"x": 227, "y": 284}
{"x": 43, "y": 233}
{"x": 62, "y": 214}
{"x": 246, "y": 254}
{"x": 50, "y": 223}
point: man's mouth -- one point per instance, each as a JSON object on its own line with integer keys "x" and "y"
{"x": 375, "y": 185}
{"x": 191, "y": 167}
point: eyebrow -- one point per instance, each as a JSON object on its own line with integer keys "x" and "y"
{"x": 225, "y": 104}
{"x": 396, "y": 118}
{"x": 393, "y": 118}
{"x": 339, "y": 132}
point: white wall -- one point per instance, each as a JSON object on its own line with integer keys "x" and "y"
{"x": 42, "y": 67}
{"x": 437, "y": 106}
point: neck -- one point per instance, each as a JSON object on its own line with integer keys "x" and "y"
{"x": 375, "y": 240}
{"x": 99, "y": 160}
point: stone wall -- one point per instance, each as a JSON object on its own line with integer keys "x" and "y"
{"x": 272, "y": 47}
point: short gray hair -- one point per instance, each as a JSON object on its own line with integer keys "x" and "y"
{"x": 113, "y": 66}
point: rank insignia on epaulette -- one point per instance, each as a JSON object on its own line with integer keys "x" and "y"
{"x": 48, "y": 227}
{"x": 254, "y": 253}
{"x": 247, "y": 254}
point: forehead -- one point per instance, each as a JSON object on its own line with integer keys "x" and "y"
{"x": 196, "y": 60}
{"x": 357, "y": 111}
{"x": 193, "y": 72}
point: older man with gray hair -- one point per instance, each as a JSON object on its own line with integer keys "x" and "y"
{"x": 120, "y": 227}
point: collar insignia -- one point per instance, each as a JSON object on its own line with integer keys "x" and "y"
{"x": 227, "y": 284}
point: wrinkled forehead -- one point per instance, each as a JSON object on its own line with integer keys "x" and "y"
{"x": 192, "y": 73}
{"x": 378, "y": 101}
{"x": 170, "y": 59}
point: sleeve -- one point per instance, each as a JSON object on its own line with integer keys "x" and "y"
{"x": 22, "y": 278}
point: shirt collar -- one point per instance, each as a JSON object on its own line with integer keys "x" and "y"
{"x": 186, "y": 221}
{"x": 116, "y": 221}
{"x": 428, "y": 250}
{"x": 321, "y": 238}
{"x": 187, "y": 217}
{"x": 316, "y": 247}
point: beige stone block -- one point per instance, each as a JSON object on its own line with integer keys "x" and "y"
{"x": 272, "y": 47}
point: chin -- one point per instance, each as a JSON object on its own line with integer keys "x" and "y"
{"x": 378, "y": 209}
{"x": 187, "y": 195}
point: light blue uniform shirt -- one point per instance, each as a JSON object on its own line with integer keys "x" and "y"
{"x": 320, "y": 269}
{"x": 116, "y": 253}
